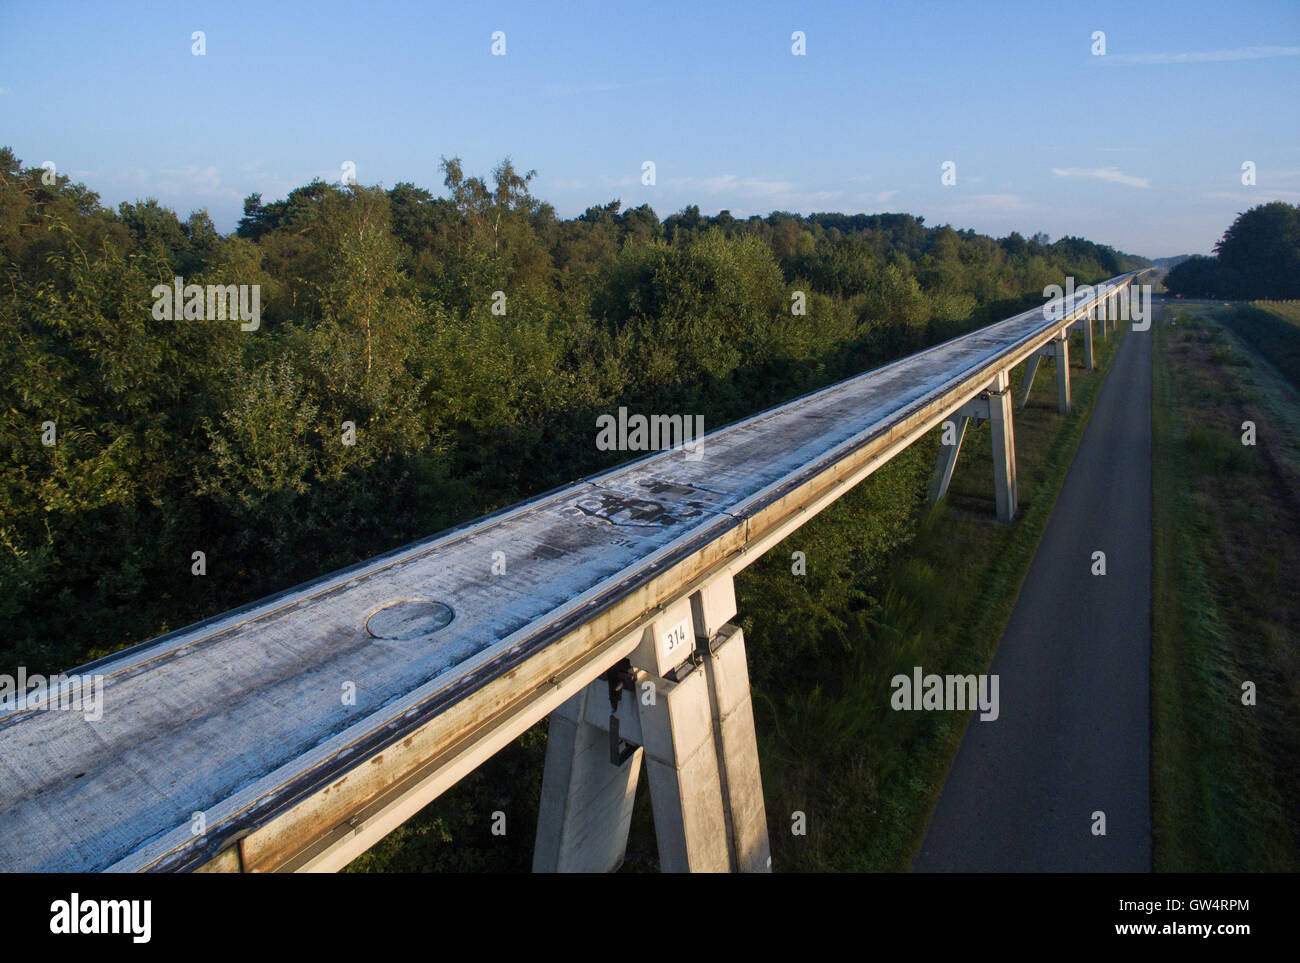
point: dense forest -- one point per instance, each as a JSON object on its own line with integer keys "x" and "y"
{"x": 1258, "y": 258}
{"x": 470, "y": 339}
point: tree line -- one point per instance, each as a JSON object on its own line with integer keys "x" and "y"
{"x": 1258, "y": 258}
{"x": 470, "y": 338}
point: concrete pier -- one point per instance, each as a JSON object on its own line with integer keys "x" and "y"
{"x": 992, "y": 405}
{"x": 692, "y": 723}
{"x": 586, "y": 801}
{"x": 946, "y": 462}
{"x": 1061, "y": 352}
{"x": 1004, "y": 447}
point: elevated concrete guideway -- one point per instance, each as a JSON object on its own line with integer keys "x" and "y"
{"x": 245, "y": 719}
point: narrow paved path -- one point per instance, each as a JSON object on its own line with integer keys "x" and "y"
{"x": 1073, "y": 735}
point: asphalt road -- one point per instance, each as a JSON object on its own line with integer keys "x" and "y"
{"x": 1073, "y": 734}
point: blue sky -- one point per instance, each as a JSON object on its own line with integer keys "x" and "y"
{"x": 1141, "y": 148}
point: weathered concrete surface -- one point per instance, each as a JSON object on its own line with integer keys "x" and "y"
{"x": 586, "y": 806}
{"x": 733, "y": 726}
{"x": 1002, "y": 425}
{"x": 686, "y": 793}
{"x": 1062, "y": 355}
{"x": 1073, "y": 735}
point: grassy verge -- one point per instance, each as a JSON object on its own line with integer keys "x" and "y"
{"x": 1226, "y": 580}
{"x": 1272, "y": 330}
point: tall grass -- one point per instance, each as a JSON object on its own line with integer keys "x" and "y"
{"x": 1223, "y": 773}
{"x": 1272, "y": 328}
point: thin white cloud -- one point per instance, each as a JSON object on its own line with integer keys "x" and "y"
{"x": 990, "y": 204}
{"x": 1263, "y": 197}
{"x": 1122, "y": 150}
{"x": 1112, "y": 175}
{"x": 986, "y": 212}
{"x": 764, "y": 190}
{"x": 199, "y": 180}
{"x": 1200, "y": 56}
{"x": 730, "y": 183}
{"x": 332, "y": 175}
{"x": 192, "y": 181}
{"x": 878, "y": 197}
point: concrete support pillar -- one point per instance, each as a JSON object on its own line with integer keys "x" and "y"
{"x": 686, "y": 708}
{"x": 1004, "y": 447}
{"x": 586, "y": 807}
{"x": 1031, "y": 369}
{"x": 947, "y": 459}
{"x": 1089, "y": 356}
{"x": 733, "y": 724}
{"x": 1061, "y": 351}
{"x": 992, "y": 405}
{"x": 685, "y": 783}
